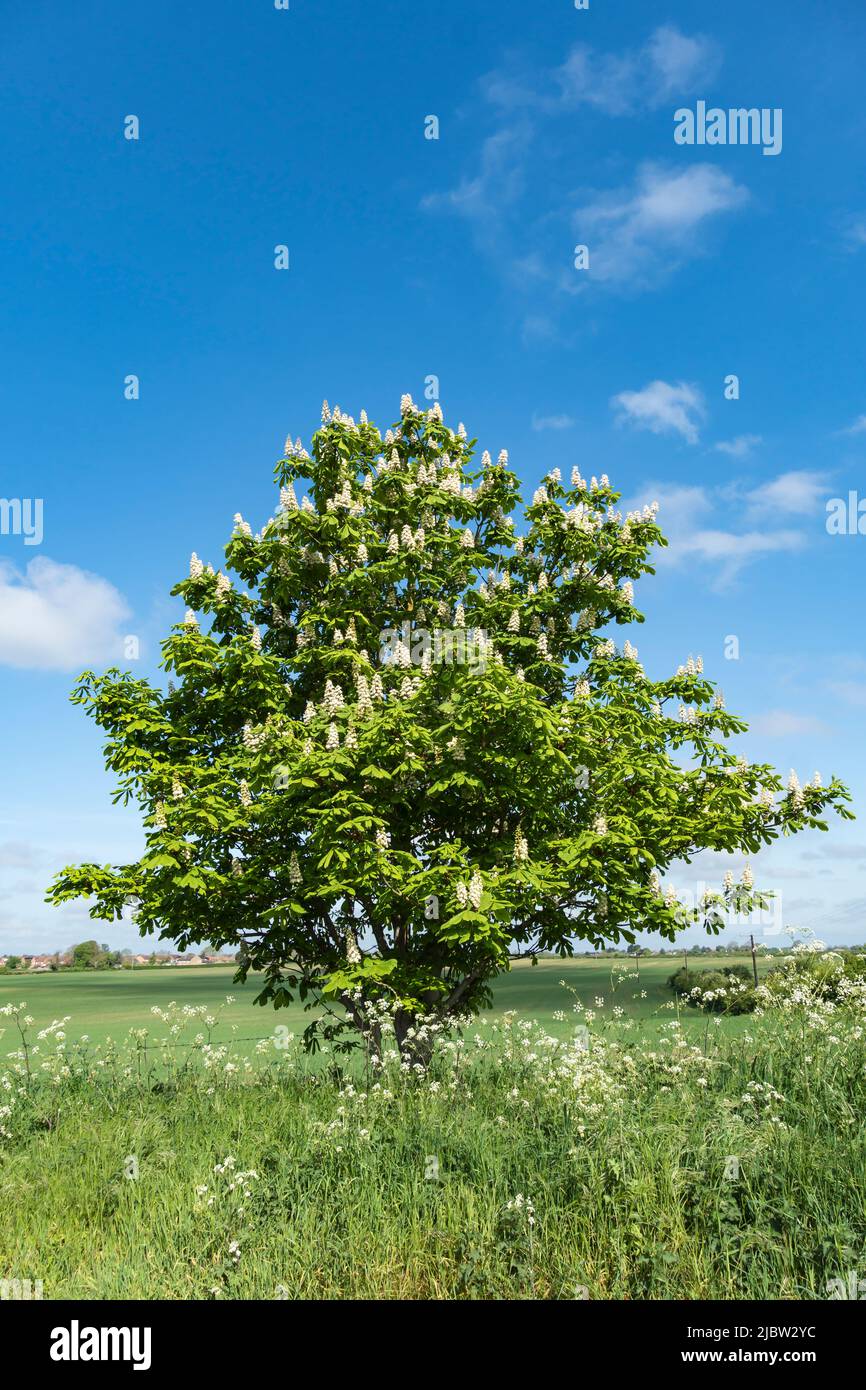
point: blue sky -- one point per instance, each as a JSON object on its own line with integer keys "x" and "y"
{"x": 412, "y": 257}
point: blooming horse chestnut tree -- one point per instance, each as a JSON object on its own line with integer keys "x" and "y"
{"x": 399, "y": 747}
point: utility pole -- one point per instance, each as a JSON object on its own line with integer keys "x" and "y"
{"x": 754, "y": 961}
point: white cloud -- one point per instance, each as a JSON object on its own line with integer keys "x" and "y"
{"x": 58, "y": 617}
{"x": 663, "y": 409}
{"x": 685, "y": 517}
{"x": 854, "y": 231}
{"x": 799, "y": 493}
{"x": 858, "y": 427}
{"x": 642, "y": 234}
{"x": 680, "y": 63}
{"x": 734, "y": 551}
{"x": 740, "y": 446}
{"x": 523, "y": 238}
{"x": 783, "y": 723}
{"x": 852, "y": 692}
{"x": 15, "y": 854}
{"x": 552, "y": 422}
{"x": 670, "y": 63}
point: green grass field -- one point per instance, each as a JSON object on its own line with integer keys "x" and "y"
{"x": 715, "y": 1160}
{"x": 107, "y": 1003}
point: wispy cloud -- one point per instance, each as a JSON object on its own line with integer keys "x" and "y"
{"x": 798, "y": 493}
{"x": 552, "y": 422}
{"x": 858, "y": 426}
{"x": 662, "y": 408}
{"x": 669, "y": 64}
{"x": 58, "y": 617}
{"x": 854, "y": 231}
{"x": 641, "y": 234}
{"x": 740, "y": 446}
{"x": 785, "y": 723}
{"x": 852, "y": 692}
{"x": 690, "y": 517}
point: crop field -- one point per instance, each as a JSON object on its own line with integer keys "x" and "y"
{"x": 107, "y": 1003}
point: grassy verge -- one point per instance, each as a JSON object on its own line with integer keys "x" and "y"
{"x": 520, "y": 1166}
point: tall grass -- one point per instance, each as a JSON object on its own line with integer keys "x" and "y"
{"x": 515, "y": 1167}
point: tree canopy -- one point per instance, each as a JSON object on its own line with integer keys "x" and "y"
{"x": 399, "y": 744}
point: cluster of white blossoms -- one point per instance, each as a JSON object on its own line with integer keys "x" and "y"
{"x": 343, "y": 500}
{"x": 795, "y": 791}
{"x": 521, "y": 847}
{"x": 692, "y": 667}
{"x": 353, "y": 951}
{"x": 295, "y": 875}
{"x": 470, "y": 896}
{"x": 333, "y": 698}
{"x": 254, "y": 739}
{"x": 245, "y": 794}
{"x": 383, "y": 839}
{"x": 297, "y": 449}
